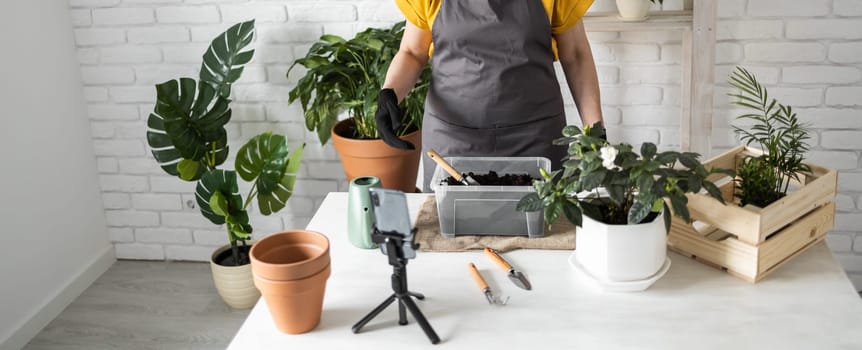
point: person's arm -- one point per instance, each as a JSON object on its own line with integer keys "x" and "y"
{"x": 409, "y": 61}
{"x": 576, "y": 58}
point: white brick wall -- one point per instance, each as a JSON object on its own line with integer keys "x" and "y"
{"x": 809, "y": 53}
{"x": 813, "y": 50}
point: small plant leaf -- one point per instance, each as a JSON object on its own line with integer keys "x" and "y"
{"x": 218, "y": 204}
{"x": 639, "y": 210}
{"x": 573, "y": 213}
{"x": 571, "y": 131}
{"x": 530, "y": 202}
{"x": 648, "y": 150}
{"x": 189, "y": 170}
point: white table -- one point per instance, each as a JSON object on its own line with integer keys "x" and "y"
{"x": 808, "y": 304}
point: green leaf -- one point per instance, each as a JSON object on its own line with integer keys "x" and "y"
{"x": 218, "y": 204}
{"x": 262, "y": 160}
{"x": 648, "y": 150}
{"x": 680, "y": 208}
{"x": 689, "y": 160}
{"x": 224, "y": 59}
{"x": 332, "y": 39}
{"x": 186, "y": 124}
{"x": 573, "y": 213}
{"x": 190, "y": 169}
{"x": 553, "y": 212}
{"x": 224, "y": 182}
{"x": 277, "y": 199}
{"x": 571, "y": 131}
{"x": 593, "y": 179}
{"x": 617, "y": 193}
{"x": 530, "y": 202}
{"x": 713, "y": 190}
{"x": 695, "y": 183}
{"x": 657, "y": 204}
{"x": 639, "y": 210}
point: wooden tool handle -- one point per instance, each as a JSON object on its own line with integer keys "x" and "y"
{"x": 477, "y": 276}
{"x": 491, "y": 253}
{"x": 444, "y": 164}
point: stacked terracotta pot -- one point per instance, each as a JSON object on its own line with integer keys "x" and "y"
{"x": 290, "y": 269}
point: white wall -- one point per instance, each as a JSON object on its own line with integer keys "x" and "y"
{"x": 54, "y": 235}
{"x": 806, "y": 52}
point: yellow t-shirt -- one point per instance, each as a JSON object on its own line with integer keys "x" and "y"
{"x": 562, "y": 14}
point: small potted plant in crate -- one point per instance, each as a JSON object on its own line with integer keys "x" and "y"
{"x": 348, "y": 75}
{"x": 186, "y": 132}
{"x": 779, "y": 204}
{"x": 619, "y": 201}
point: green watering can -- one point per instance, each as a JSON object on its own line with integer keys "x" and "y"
{"x": 359, "y": 215}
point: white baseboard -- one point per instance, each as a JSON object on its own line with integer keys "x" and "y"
{"x": 21, "y": 335}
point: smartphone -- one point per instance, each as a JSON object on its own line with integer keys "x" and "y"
{"x": 391, "y": 215}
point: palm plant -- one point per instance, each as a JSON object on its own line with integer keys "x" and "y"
{"x": 186, "y": 132}
{"x": 778, "y": 132}
{"x": 348, "y": 75}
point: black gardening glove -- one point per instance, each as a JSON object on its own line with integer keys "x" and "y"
{"x": 388, "y": 119}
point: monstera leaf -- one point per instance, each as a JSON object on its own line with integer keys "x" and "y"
{"x": 264, "y": 159}
{"x": 223, "y": 61}
{"x": 218, "y": 197}
{"x": 188, "y": 124}
{"x": 186, "y": 129}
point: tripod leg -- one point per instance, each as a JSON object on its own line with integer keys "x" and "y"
{"x": 417, "y": 295}
{"x": 402, "y": 314}
{"x": 358, "y": 326}
{"x": 420, "y": 319}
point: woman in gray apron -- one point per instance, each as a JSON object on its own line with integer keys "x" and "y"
{"x": 493, "y": 88}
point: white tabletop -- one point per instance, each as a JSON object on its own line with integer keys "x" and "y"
{"x": 808, "y": 304}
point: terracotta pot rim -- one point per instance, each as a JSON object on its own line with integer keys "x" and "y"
{"x": 259, "y": 265}
{"x": 383, "y": 150}
{"x": 323, "y": 273}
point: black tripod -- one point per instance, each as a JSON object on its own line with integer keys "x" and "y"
{"x": 394, "y": 242}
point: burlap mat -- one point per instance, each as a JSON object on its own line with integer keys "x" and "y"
{"x": 560, "y": 237}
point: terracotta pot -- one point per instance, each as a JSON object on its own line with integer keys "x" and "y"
{"x": 290, "y": 255}
{"x": 396, "y": 169}
{"x": 234, "y": 283}
{"x": 295, "y": 305}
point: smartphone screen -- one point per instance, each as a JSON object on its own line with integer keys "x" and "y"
{"x": 391, "y": 215}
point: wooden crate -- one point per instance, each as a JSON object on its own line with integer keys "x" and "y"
{"x": 750, "y": 242}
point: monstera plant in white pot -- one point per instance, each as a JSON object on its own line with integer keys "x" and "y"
{"x": 619, "y": 201}
{"x": 635, "y": 10}
{"x": 186, "y": 133}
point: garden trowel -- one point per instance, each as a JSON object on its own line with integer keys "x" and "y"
{"x": 466, "y": 180}
{"x": 517, "y": 277}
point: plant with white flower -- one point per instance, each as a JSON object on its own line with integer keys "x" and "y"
{"x": 615, "y": 185}
{"x": 609, "y": 154}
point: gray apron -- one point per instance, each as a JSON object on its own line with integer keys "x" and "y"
{"x": 493, "y": 88}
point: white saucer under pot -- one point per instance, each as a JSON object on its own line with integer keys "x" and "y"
{"x": 621, "y": 253}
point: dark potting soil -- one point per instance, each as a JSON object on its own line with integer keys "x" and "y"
{"x": 622, "y": 218}
{"x": 225, "y": 258}
{"x": 493, "y": 179}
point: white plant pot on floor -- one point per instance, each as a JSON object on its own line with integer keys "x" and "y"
{"x": 633, "y": 10}
{"x": 620, "y": 255}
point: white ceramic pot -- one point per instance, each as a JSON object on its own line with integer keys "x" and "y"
{"x": 633, "y": 10}
{"x": 621, "y": 253}
{"x": 234, "y": 284}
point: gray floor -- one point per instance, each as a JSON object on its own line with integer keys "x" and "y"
{"x": 145, "y": 305}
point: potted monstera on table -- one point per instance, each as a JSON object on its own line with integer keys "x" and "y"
{"x": 347, "y": 75}
{"x": 186, "y": 132}
{"x": 619, "y": 201}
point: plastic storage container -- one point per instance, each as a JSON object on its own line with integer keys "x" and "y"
{"x": 488, "y": 210}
